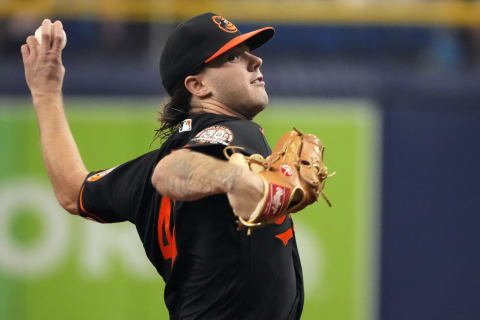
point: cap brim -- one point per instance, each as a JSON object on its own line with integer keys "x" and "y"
{"x": 254, "y": 39}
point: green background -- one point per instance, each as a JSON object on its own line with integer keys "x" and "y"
{"x": 116, "y": 281}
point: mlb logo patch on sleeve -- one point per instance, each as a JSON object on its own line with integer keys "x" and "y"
{"x": 186, "y": 125}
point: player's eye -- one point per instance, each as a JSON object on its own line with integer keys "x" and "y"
{"x": 233, "y": 57}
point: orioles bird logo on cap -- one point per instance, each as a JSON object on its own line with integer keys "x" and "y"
{"x": 224, "y": 24}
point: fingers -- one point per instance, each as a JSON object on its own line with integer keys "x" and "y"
{"x": 32, "y": 44}
{"x": 30, "y": 48}
{"x": 25, "y": 52}
{"x": 46, "y": 35}
{"x": 57, "y": 35}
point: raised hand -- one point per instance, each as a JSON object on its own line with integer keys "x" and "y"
{"x": 44, "y": 70}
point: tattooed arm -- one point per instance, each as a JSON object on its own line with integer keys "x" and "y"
{"x": 188, "y": 175}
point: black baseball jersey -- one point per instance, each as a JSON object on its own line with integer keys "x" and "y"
{"x": 211, "y": 270}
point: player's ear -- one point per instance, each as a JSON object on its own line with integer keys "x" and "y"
{"x": 197, "y": 86}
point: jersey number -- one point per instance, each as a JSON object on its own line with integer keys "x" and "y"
{"x": 168, "y": 249}
{"x": 287, "y": 235}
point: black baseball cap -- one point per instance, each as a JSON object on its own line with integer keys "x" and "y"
{"x": 198, "y": 41}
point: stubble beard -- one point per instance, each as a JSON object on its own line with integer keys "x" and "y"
{"x": 254, "y": 105}
{"x": 234, "y": 99}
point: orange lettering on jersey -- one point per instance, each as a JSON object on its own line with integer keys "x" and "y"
{"x": 169, "y": 250}
{"x": 285, "y": 236}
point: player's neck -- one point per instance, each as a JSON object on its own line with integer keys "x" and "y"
{"x": 216, "y": 108}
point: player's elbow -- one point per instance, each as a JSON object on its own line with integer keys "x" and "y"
{"x": 68, "y": 196}
{"x": 67, "y": 192}
{"x": 68, "y": 203}
{"x": 160, "y": 176}
{"x": 169, "y": 172}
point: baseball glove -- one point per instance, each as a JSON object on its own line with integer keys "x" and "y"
{"x": 294, "y": 176}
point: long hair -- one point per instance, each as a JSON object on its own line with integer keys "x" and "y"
{"x": 173, "y": 112}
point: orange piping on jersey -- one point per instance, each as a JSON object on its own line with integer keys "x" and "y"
{"x": 280, "y": 220}
{"x": 91, "y": 215}
{"x": 285, "y": 236}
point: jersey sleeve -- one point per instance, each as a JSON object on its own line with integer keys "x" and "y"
{"x": 109, "y": 196}
{"x": 241, "y": 133}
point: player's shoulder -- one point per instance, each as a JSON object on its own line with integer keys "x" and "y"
{"x": 226, "y": 124}
{"x": 200, "y": 121}
{"x": 212, "y": 128}
{"x": 209, "y": 130}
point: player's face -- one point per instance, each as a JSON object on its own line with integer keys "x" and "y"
{"x": 235, "y": 80}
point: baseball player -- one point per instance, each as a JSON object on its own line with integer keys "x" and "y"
{"x": 195, "y": 212}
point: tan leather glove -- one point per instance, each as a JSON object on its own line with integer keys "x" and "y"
{"x": 294, "y": 176}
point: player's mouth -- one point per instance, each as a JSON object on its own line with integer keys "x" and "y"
{"x": 258, "y": 80}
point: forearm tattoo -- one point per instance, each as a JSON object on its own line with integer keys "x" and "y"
{"x": 186, "y": 175}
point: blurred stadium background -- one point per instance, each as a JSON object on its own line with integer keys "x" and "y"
{"x": 390, "y": 86}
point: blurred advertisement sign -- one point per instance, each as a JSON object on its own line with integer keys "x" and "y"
{"x": 57, "y": 266}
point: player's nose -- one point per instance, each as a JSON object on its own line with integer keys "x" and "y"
{"x": 255, "y": 62}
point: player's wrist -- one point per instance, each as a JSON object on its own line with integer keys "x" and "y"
{"x": 231, "y": 177}
{"x": 246, "y": 180}
{"x": 46, "y": 94}
{"x": 42, "y": 98}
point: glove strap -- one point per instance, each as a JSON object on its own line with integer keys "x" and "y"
{"x": 274, "y": 204}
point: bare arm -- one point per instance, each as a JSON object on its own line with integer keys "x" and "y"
{"x": 187, "y": 175}
{"x": 44, "y": 73}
